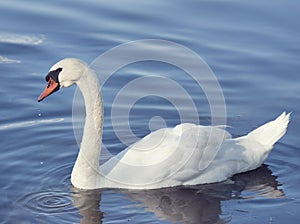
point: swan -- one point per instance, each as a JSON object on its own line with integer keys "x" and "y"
{"x": 187, "y": 154}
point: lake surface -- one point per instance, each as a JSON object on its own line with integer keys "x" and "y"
{"x": 253, "y": 48}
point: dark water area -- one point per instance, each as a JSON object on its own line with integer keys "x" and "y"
{"x": 253, "y": 48}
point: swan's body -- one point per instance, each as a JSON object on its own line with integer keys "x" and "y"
{"x": 187, "y": 154}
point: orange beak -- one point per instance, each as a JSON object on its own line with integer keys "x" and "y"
{"x": 51, "y": 88}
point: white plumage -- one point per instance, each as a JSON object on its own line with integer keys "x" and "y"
{"x": 187, "y": 154}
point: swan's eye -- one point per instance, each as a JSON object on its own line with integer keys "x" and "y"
{"x": 49, "y": 84}
{"x": 53, "y": 74}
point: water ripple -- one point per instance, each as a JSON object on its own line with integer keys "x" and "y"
{"x": 14, "y": 38}
{"x": 5, "y": 60}
{"x": 48, "y": 202}
{"x": 62, "y": 174}
{"x": 29, "y": 123}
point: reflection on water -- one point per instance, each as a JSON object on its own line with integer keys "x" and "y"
{"x": 88, "y": 203}
{"x": 195, "y": 204}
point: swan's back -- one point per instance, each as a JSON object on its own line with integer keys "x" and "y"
{"x": 166, "y": 157}
{"x": 191, "y": 154}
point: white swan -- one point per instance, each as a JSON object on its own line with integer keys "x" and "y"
{"x": 187, "y": 154}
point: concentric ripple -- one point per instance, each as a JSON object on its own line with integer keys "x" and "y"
{"x": 48, "y": 202}
{"x": 61, "y": 174}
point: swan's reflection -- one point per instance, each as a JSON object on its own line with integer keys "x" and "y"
{"x": 88, "y": 203}
{"x": 197, "y": 204}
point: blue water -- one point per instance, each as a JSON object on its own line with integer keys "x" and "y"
{"x": 253, "y": 49}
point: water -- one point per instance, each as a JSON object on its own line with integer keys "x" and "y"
{"x": 253, "y": 49}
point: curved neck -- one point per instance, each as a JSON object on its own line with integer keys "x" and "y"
{"x": 86, "y": 167}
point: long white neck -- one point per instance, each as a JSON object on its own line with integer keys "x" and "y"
{"x": 85, "y": 172}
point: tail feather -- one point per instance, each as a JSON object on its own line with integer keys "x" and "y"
{"x": 269, "y": 133}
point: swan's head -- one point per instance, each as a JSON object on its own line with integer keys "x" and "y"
{"x": 63, "y": 74}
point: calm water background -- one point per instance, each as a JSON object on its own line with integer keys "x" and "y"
{"x": 253, "y": 49}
